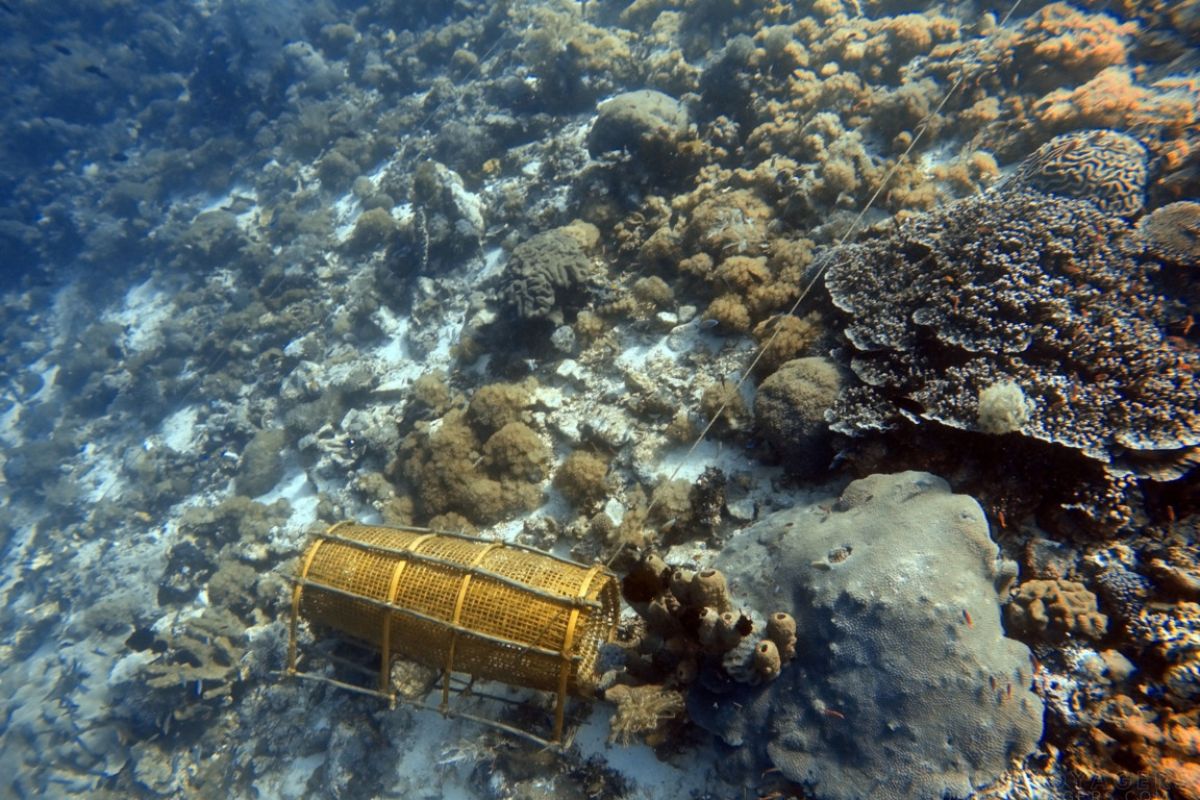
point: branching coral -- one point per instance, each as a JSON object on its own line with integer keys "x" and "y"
{"x": 1013, "y": 286}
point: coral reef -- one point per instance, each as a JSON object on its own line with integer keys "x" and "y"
{"x": 1054, "y": 610}
{"x": 262, "y": 251}
{"x": 910, "y": 665}
{"x": 982, "y": 303}
{"x": 1102, "y": 166}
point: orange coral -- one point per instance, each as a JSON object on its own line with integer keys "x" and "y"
{"x": 1132, "y": 741}
{"x": 1075, "y": 40}
{"x": 1113, "y": 100}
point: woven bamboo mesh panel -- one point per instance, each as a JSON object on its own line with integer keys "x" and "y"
{"x": 490, "y": 609}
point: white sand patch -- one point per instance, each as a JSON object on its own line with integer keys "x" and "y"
{"x": 145, "y": 309}
{"x": 654, "y": 779}
{"x": 179, "y": 431}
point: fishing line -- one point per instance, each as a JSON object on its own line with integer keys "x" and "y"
{"x": 921, "y": 127}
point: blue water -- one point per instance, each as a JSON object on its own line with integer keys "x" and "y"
{"x": 258, "y": 258}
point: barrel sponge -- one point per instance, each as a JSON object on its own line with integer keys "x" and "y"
{"x": 906, "y": 687}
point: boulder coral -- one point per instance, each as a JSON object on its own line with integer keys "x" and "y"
{"x": 790, "y": 406}
{"x": 904, "y": 686}
{"x": 1054, "y": 610}
{"x": 635, "y": 121}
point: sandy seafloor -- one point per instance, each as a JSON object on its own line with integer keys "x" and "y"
{"x": 258, "y": 265}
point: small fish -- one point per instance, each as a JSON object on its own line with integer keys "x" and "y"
{"x": 94, "y": 70}
{"x": 62, "y": 48}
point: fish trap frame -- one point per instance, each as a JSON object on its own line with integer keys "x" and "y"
{"x": 460, "y": 604}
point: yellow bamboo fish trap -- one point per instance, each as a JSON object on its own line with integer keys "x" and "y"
{"x": 460, "y": 604}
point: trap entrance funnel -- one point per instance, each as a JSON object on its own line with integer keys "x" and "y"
{"x": 461, "y": 604}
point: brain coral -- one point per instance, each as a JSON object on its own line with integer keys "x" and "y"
{"x": 1055, "y": 610}
{"x": 904, "y": 686}
{"x": 545, "y": 273}
{"x": 1102, "y": 166}
{"x": 1040, "y": 291}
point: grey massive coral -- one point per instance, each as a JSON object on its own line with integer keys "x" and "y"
{"x": 904, "y": 686}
